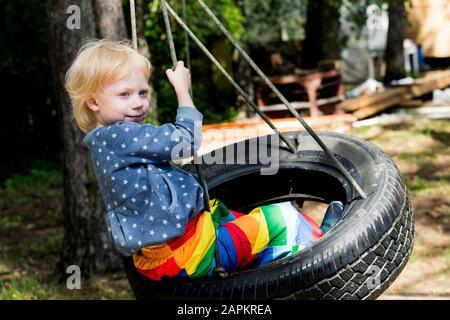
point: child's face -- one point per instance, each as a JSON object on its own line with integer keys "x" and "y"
{"x": 123, "y": 99}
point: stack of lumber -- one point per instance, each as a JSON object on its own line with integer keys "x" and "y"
{"x": 432, "y": 80}
{"x": 368, "y": 105}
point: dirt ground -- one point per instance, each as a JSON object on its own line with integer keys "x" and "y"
{"x": 421, "y": 150}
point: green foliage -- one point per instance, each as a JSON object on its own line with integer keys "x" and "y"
{"x": 357, "y": 12}
{"x": 273, "y": 20}
{"x": 28, "y": 126}
{"x": 213, "y": 99}
{"x": 23, "y": 53}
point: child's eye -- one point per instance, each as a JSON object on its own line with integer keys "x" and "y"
{"x": 124, "y": 94}
{"x": 143, "y": 93}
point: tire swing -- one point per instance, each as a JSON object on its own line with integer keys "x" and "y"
{"x": 358, "y": 258}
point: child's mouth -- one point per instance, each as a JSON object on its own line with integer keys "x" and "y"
{"x": 135, "y": 118}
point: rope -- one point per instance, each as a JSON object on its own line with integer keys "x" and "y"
{"x": 218, "y": 270}
{"x": 186, "y": 45}
{"x": 282, "y": 98}
{"x": 225, "y": 73}
{"x": 133, "y": 24}
{"x": 173, "y": 55}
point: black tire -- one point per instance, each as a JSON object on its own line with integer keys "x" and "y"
{"x": 357, "y": 259}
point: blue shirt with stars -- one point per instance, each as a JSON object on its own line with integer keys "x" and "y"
{"x": 148, "y": 199}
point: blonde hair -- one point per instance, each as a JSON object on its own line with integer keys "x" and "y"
{"x": 97, "y": 61}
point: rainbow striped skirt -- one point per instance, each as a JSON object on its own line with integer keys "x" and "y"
{"x": 265, "y": 234}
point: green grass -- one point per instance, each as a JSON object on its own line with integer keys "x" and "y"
{"x": 31, "y": 235}
{"x": 421, "y": 150}
{"x": 415, "y": 147}
{"x": 417, "y": 183}
{"x": 31, "y": 287}
{"x": 9, "y": 222}
{"x": 22, "y": 188}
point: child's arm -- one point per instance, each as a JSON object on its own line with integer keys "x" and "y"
{"x": 146, "y": 143}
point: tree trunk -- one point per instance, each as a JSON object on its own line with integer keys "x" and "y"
{"x": 140, "y": 28}
{"x": 85, "y": 241}
{"x": 395, "y": 62}
{"x": 110, "y": 20}
{"x": 322, "y": 28}
{"x": 330, "y": 27}
{"x": 244, "y": 76}
{"x": 143, "y": 46}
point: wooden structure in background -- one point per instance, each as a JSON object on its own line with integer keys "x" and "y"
{"x": 309, "y": 89}
{"x": 219, "y": 135}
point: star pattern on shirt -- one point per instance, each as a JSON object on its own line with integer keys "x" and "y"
{"x": 123, "y": 190}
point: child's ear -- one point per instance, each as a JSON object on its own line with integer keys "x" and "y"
{"x": 92, "y": 103}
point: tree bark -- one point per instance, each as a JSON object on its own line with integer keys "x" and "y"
{"x": 143, "y": 46}
{"x": 330, "y": 26}
{"x": 322, "y": 28}
{"x": 85, "y": 241}
{"x": 110, "y": 20}
{"x": 140, "y": 28}
{"x": 244, "y": 75}
{"x": 395, "y": 62}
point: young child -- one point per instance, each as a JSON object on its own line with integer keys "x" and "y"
{"x": 155, "y": 210}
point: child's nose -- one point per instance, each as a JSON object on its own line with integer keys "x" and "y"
{"x": 137, "y": 103}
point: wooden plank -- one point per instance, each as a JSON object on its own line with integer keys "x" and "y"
{"x": 300, "y": 104}
{"x": 420, "y": 89}
{"x": 416, "y": 103}
{"x": 432, "y": 80}
{"x": 368, "y": 100}
{"x": 378, "y": 107}
{"x": 444, "y": 81}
